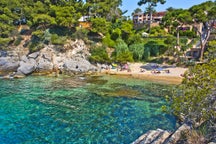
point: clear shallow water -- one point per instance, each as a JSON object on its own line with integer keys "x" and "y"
{"x": 39, "y": 110}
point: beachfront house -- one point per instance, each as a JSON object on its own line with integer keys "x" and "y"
{"x": 84, "y": 22}
{"x": 140, "y": 19}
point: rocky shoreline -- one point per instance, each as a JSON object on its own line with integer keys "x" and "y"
{"x": 160, "y": 136}
{"x": 69, "y": 59}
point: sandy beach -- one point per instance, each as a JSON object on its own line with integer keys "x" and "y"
{"x": 167, "y": 73}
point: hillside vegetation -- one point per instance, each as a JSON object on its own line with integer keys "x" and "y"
{"x": 35, "y": 23}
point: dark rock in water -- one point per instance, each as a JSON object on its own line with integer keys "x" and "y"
{"x": 70, "y": 82}
{"x": 8, "y": 64}
{"x": 97, "y": 81}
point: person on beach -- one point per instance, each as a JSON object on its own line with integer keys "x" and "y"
{"x": 142, "y": 70}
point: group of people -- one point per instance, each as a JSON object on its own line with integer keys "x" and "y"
{"x": 123, "y": 67}
{"x": 119, "y": 67}
{"x": 156, "y": 71}
{"x": 126, "y": 67}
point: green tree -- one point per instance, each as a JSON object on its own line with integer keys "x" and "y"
{"x": 137, "y": 10}
{"x": 99, "y": 54}
{"x": 125, "y": 56}
{"x": 175, "y": 19}
{"x": 158, "y": 31}
{"x": 6, "y": 20}
{"x": 152, "y": 47}
{"x": 138, "y": 50}
{"x": 116, "y": 33}
{"x": 100, "y": 25}
{"x": 211, "y": 51}
{"x": 122, "y": 53}
{"x": 107, "y": 41}
{"x": 127, "y": 30}
{"x": 65, "y": 15}
{"x": 170, "y": 44}
{"x": 196, "y": 99}
{"x": 104, "y": 8}
{"x": 120, "y": 46}
{"x": 205, "y": 14}
{"x": 44, "y": 20}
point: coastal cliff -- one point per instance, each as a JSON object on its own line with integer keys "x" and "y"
{"x": 70, "y": 58}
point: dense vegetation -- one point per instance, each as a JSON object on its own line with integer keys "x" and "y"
{"x": 55, "y": 21}
{"x": 195, "y": 100}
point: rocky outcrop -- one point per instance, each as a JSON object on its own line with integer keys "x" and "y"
{"x": 177, "y": 134}
{"x": 73, "y": 60}
{"x": 3, "y": 53}
{"x": 10, "y": 60}
{"x": 153, "y": 137}
{"x": 77, "y": 65}
{"x": 161, "y": 136}
{"x": 34, "y": 55}
{"x": 27, "y": 66}
{"x": 8, "y": 64}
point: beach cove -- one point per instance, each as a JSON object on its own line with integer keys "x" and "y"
{"x": 145, "y": 72}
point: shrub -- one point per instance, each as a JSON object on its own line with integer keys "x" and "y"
{"x": 162, "y": 49}
{"x": 152, "y": 47}
{"x": 195, "y": 99}
{"x": 188, "y": 33}
{"x": 99, "y": 54}
{"x": 34, "y": 46}
{"x": 18, "y": 40}
{"x": 38, "y": 33}
{"x": 135, "y": 38}
{"x": 80, "y": 33}
{"x": 57, "y": 40}
{"x": 137, "y": 51}
{"x": 100, "y": 25}
{"x": 146, "y": 53}
{"x": 116, "y": 33}
{"x": 125, "y": 56}
{"x": 120, "y": 46}
{"x": 4, "y": 42}
{"x": 107, "y": 41}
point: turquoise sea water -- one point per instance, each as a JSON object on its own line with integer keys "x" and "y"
{"x": 97, "y": 110}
